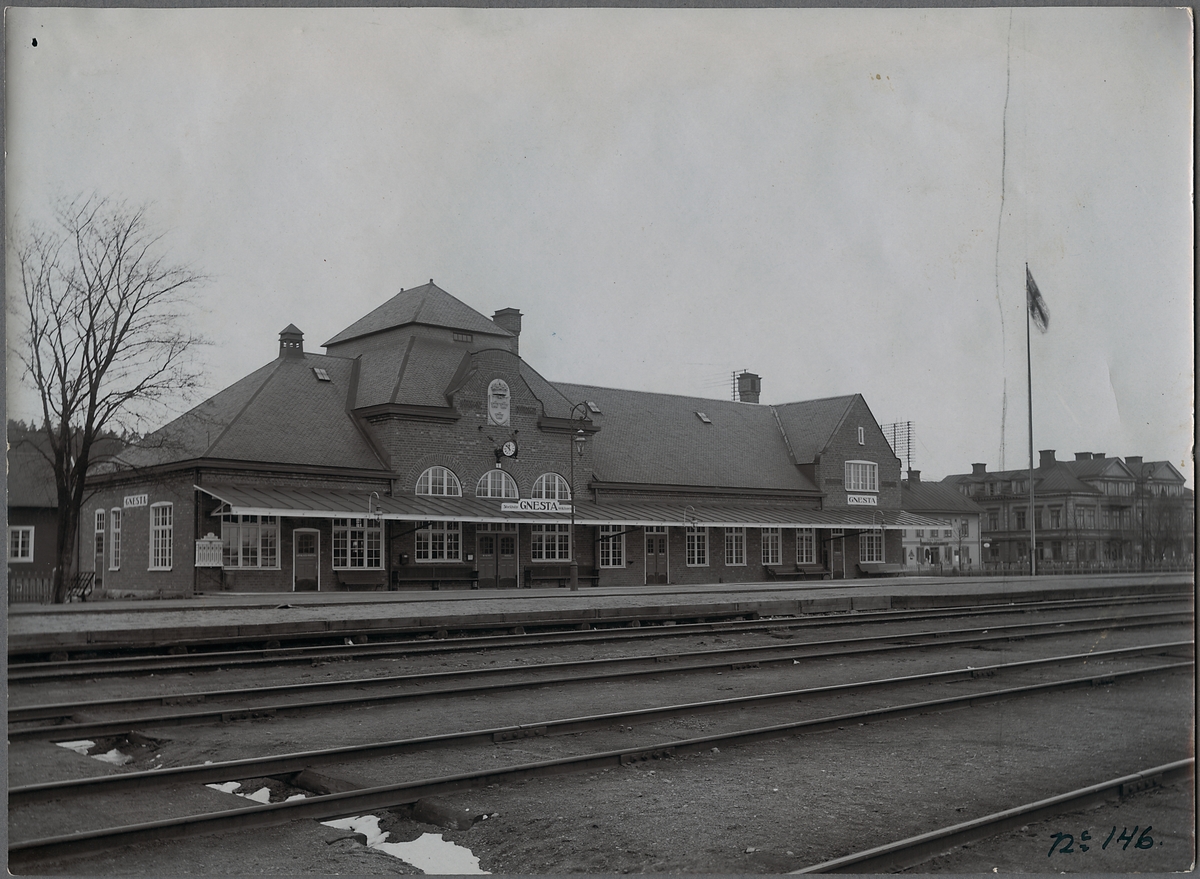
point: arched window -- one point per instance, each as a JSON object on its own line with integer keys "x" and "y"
{"x": 439, "y": 481}
{"x": 496, "y": 483}
{"x": 551, "y": 487}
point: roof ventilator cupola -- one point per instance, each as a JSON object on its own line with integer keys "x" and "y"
{"x": 291, "y": 342}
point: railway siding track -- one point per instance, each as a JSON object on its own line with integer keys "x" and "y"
{"x": 231, "y": 704}
{"x": 393, "y": 795}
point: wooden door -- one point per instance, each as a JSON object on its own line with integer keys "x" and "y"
{"x": 656, "y": 557}
{"x": 305, "y": 560}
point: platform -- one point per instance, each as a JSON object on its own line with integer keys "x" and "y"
{"x": 42, "y": 628}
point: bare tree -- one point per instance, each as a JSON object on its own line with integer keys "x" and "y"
{"x": 105, "y": 341}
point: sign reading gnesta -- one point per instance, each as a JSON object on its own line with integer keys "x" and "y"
{"x": 531, "y": 506}
{"x": 862, "y": 500}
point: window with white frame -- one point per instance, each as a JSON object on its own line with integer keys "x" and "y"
{"x": 440, "y": 542}
{"x": 551, "y": 487}
{"x": 870, "y": 546}
{"x": 612, "y": 546}
{"x": 101, "y": 527}
{"x": 357, "y": 543}
{"x": 496, "y": 483}
{"x": 440, "y": 482}
{"x": 250, "y": 541}
{"x": 550, "y": 543}
{"x": 964, "y": 528}
{"x": 862, "y": 476}
{"x": 771, "y": 546}
{"x": 20, "y": 543}
{"x": 735, "y": 546}
{"x": 114, "y": 539}
{"x": 162, "y": 532}
{"x": 806, "y": 546}
{"x": 697, "y": 547}
{"x": 861, "y": 439}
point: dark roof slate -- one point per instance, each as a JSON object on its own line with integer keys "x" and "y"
{"x": 810, "y": 424}
{"x": 30, "y": 478}
{"x": 427, "y": 304}
{"x": 281, "y": 413}
{"x": 659, "y": 439}
{"x": 935, "y": 497}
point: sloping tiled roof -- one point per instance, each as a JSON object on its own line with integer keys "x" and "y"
{"x": 30, "y": 478}
{"x": 1096, "y": 467}
{"x": 427, "y": 304}
{"x": 935, "y": 497}
{"x": 810, "y": 423}
{"x": 281, "y": 413}
{"x": 412, "y": 370}
{"x": 659, "y": 439}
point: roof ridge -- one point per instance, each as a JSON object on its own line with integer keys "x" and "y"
{"x": 250, "y": 400}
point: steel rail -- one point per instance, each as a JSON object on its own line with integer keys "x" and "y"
{"x": 904, "y": 853}
{"x": 388, "y": 796}
{"x": 274, "y": 765}
{"x": 593, "y": 670}
{"x": 700, "y": 659}
{"x": 563, "y": 631}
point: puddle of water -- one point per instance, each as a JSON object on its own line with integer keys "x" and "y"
{"x": 262, "y": 795}
{"x": 80, "y": 747}
{"x": 83, "y": 746}
{"x": 429, "y": 853}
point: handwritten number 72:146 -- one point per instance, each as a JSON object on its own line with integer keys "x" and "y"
{"x": 1064, "y": 842}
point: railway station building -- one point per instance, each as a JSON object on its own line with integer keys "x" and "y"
{"x": 420, "y": 450}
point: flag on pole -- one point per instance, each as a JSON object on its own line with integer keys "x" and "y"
{"x": 1037, "y": 305}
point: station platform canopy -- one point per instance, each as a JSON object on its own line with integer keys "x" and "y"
{"x": 320, "y": 503}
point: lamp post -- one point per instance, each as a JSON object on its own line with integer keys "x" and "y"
{"x": 578, "y": 438}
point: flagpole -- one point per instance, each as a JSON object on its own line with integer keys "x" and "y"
{"x": 1029, "y": 387}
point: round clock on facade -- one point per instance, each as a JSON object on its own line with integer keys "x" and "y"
{"x": 509, "y": 449}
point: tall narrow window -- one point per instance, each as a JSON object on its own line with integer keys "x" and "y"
{"x": 162, "y": 532}
{"x": 114, "y": 539}
{"x": 735, "y": 546}
{"x": 101, "y": 527}
{"x": 550, "y": 543}
{"x": 612, "y": 546}
{"x": 697, "y": 547}
{"x": 440, "y": 542}
{"x": 551, "y": 487}
{"x": 861, "y": 439}
{"x": 439, "y": 481}
{"x": 356, "y": 543}
{"x": 806, "y": 553}
{"x": 771, "y": 551}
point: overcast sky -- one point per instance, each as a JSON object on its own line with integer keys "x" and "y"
{"x": 839, "y": 200}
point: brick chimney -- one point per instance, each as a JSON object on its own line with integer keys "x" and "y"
{"x": 1099, "y": 456}
{"x": 291, "y": 342}
{"x": 1133, "y": 460}
{"x": 1047, "y": 458}
{"x": 749, "y": 385}
{"x": 1083, "y": 456}
{"x": 510, "y": 319}
{"x": 979, "y": 469}
{"x": 914, "y": 477}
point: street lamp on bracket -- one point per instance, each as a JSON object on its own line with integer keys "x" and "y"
{"x": 578, "y": 439}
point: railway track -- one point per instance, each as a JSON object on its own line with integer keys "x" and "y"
{"x": 362, "y": 643}
{"x": 361, "y": 801}
{"x": 63, "y": 719}
{"x": 915, "y": 850}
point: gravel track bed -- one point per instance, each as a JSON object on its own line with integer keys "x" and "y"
{"x": 766, "y": 808}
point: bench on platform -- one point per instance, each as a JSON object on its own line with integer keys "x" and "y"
{"x": 80, "y": 586}
{"x": 361, "y": 579}
{"x": 436, "y": 576}
{"x": 560, "y": 575}
{"x": 801, "y": 572}
{"x": 880, "y": 569}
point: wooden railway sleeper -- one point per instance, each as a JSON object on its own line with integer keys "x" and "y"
{"x": 231, "y": 716}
